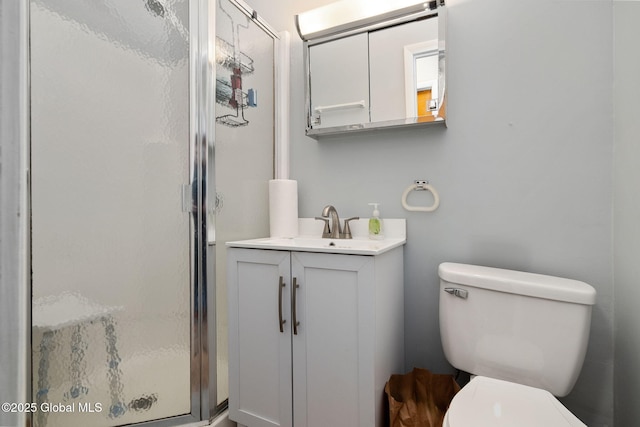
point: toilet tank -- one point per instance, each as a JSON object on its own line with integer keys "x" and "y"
{"x": 521, "y": 327}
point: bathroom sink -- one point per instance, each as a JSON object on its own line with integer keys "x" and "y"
{"x": 309, "y": 239}
{"x": 316, "y": 244}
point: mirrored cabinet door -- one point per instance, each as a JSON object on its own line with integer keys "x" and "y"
{"x": 337, "y": 97}
{"x": 404, "y": 70}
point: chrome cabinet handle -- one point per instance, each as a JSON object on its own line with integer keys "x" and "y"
{"x": 294, "y": 314}
{"x": 282, "y": 321}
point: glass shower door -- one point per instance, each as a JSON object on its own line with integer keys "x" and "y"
{"x": 244, "y": 146}
{"x": 111, "y": 217}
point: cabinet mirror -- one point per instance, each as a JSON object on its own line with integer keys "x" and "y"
{"x": 375, "y": 72}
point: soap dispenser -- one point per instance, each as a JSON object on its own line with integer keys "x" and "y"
{"x": 375, "y": 223}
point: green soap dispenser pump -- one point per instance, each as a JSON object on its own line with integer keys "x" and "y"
{"x": 375, "y": 223}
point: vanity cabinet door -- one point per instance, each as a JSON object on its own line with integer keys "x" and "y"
{"x": 333, "y": 350}
{"x": 340, "y": 341}
{"x": 259, "y": 352}
{"x": 337, "y": 99}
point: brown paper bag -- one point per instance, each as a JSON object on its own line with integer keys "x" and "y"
{"x": 419, "y": 398}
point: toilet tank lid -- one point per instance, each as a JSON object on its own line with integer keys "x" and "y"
{"x": 518, "y": 282}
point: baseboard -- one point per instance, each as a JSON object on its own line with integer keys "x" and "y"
{"x": 223, "y": 420}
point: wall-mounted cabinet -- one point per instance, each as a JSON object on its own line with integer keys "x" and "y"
{"x": 313, "y": 337}
{"x": 380, "y": 73}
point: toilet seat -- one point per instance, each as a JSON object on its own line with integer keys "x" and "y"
{"x": 488, "y": 402}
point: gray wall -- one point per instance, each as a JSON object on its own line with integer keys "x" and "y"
{"x": 627, "y": 211}
{"x": 524, "y": 169}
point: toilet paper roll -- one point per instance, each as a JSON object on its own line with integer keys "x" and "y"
{"x": 283, "y": 208}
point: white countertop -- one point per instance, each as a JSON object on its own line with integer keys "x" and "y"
{"x": 310, "y": 239}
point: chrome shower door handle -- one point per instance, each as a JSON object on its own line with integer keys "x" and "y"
{"x": 294, "y": 310}
{"x": 281, "y": 321}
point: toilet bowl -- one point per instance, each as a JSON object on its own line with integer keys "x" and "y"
{"x": 523, "y": 336}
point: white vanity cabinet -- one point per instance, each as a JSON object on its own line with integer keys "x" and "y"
{"x": 313, "y": 337}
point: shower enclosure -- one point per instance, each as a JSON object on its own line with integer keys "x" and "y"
{"x": 152, "y": 143}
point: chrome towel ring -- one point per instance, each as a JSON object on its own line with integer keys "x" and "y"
{"x": 420, "y": 185}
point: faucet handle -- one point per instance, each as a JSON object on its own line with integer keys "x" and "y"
{"x": 326, "y": 233}
{"x": 346, "y": 232}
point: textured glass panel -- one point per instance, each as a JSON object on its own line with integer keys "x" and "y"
{"x": 110, "y": 250}
{"x": 244, "y": 144}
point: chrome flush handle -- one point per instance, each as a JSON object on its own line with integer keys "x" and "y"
{"x": 460, "y": 293}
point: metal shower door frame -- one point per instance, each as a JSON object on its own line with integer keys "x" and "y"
{"x": 200, "y": 410}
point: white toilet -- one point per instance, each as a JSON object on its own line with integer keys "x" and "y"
{"x": 522, "y": 336}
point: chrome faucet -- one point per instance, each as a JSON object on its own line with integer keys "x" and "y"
{"x": 332, "y": 229}
{"x": 335, "y": 231}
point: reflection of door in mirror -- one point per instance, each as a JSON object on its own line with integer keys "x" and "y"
{"x": 424, "y": 97}
{"x": 425, "y": 76}
{"x": 389, "y": 69}
{"x": 421, "y": 74}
